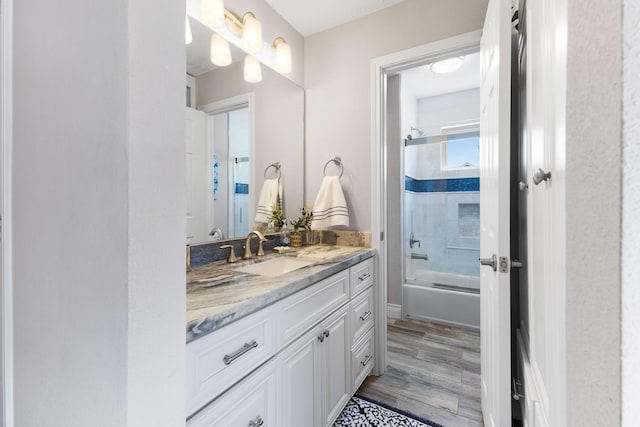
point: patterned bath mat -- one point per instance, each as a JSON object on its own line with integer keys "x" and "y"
{"x": 361, "y": 412}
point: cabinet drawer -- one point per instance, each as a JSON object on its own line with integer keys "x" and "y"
{"x": 361, "y": 276}
{"x": 219, "y": 360}
{"x": 362, "y": 314}
{"x": 252, "y": 400}
{"x": 304, "y": 309}
{"x": 362, "y": 360}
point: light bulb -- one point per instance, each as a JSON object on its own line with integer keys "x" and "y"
{"x": 447, "y": 65}
{"x": 212, "y": 13}
{"x": 283, "y": 56}
{"x": 220, "y": 52}
{"x": 252, "y": 70}
{"x": 188, "y": 37}
{"x": 251, "y": 34}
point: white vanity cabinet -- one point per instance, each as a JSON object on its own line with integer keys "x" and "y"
{"x": 322, "y": 342}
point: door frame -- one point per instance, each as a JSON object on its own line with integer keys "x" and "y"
{"x": 6, "y": 143}
{"x": 380, "y": 68}
{"x": 223, "y": 106}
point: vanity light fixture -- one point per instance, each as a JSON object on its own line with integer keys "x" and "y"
{"x": 252, "y": 70}
{"x": 188, "y": 36}
{"x": 212, "y": 13}
{"x": 283, "y": 56}
{"x": 220, "y": 51}
{"x": 447, "y": 65}
{"x": 251, "y": 33}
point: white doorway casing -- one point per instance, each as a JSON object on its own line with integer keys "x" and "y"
{"x": 6, "y": 306}
{"x": 380, "y": 67}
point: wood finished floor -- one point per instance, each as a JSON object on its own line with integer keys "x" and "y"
{"x": 433, "y": 371}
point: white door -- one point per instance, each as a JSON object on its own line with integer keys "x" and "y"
{"x": 495, "y": 114}
{"x": 197, "y": 177}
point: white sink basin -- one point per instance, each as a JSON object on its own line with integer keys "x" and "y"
{"x": 275, "y": 267}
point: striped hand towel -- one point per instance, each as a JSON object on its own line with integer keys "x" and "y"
{"x": 330, "y": 208}
{"x": 271, "y": 194}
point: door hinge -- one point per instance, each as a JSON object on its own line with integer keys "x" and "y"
{"x": 382, "y": 235}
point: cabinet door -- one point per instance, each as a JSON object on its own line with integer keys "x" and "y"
{"x": 336, "y": 363}
{"x": 300, "y": 381}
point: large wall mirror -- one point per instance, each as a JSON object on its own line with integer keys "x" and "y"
{"x": 235, "y": 132}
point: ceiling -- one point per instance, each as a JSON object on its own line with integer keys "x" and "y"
{"x": 422, "y": 82}
{"x": 311, "y": 16}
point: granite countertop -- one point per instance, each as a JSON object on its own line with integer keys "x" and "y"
{"x": 217, "y": 294}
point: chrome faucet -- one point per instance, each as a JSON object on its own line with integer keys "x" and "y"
{"x": 413, "y": 241}
{"x": 247, "y": 245}
{"x": 216, "y": 232}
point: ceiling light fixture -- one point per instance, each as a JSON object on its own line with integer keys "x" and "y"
{"x": 252, "y": 70}
{"x": 220, "y": 53}
{"x": 212, "y": 13}
{"x": 283, "y": 56}
{"x": 447, "y": 65}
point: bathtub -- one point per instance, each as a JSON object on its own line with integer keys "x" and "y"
{"x": 452, "y": 299}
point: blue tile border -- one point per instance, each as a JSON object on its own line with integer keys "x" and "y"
{"x": 447, "y": 185}
{"x": 242, "y": 188}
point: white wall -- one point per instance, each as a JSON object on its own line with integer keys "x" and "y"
{"x": 99, "y": 214}
{"x": 395, "y": 148}
{"x": 630, "y": 209}
{"x": 337, "y": 82}
{"x": 593, "y": 211}
{"x": 447, "y": 109}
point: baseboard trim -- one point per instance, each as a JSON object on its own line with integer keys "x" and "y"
{"x": 394, "y": 311}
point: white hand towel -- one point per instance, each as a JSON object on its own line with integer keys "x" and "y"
{"x": 271, "y": 194}
{"x": 330, "y": 208}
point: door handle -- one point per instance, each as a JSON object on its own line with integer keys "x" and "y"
{"x": 491, "y": 262}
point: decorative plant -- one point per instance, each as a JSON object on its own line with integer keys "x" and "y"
{"x": 304, "y": 221}
{"x": 276, "y": 216}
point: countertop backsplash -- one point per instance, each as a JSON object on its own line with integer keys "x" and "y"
{"x": 205, "y": 253}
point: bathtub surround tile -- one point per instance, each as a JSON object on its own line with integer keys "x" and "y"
{"x": 446, "y": 185}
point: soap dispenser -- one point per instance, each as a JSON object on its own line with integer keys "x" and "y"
{"x": 285, "y": 238}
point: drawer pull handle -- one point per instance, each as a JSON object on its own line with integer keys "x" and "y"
{"x": 230, "y": 358}
{"x": 257, "y": 422}
{"x": 364, "y": 277}
{"x": 365, "y": 316}
{"x": 366, "y": 360}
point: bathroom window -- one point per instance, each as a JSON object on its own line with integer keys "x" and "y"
{"x": 461, "y": 153}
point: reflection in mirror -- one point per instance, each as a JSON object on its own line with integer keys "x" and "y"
{"x": 223, "y": 180}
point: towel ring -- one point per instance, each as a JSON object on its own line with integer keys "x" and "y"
{"x": 275, "y": 165}
{"x": 338, "y": 162}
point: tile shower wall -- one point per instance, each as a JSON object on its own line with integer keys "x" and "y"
{"x": 447, "y": 224}
{"x": 441, "y": 207}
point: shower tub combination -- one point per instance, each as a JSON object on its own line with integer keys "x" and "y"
{"x": 441, "y": 270}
